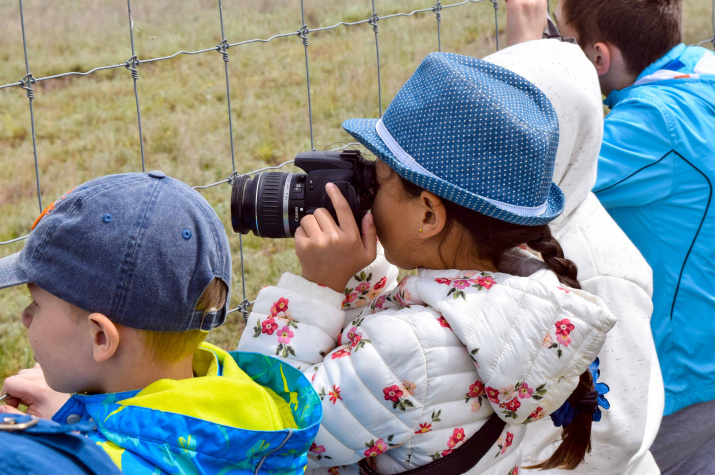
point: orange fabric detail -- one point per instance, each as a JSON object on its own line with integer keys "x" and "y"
{"x": 49, "y": 209}
{"x": 42, "y": 215}
{"x": 684, "y": 76}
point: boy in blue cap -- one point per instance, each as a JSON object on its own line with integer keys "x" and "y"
{"x": 127, "y": 275}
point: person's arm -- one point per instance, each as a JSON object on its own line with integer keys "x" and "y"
{"x": 635, "y": 165}
{"x": 366, "y": 407}
{"x": 525, "y": 20}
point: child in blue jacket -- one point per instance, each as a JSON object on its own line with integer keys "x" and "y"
{"x": 127, "y": 274}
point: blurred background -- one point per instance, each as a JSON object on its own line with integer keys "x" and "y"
{"x": 86, "y": 126}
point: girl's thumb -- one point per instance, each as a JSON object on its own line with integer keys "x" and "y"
{"x": 369, "y": 236}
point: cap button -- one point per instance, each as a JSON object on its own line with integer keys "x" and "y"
{"x": 157, "y": 174}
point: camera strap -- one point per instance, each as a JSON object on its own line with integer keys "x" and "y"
{"x": 461, "y": 460}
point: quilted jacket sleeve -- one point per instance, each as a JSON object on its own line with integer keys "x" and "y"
{"x": 366, "y": 407}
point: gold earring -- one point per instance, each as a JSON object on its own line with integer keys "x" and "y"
{"x": 420, "y": 230}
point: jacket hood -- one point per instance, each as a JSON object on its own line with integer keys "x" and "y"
{"x": 569, "y": 80}
{"x": 242, "y": 411}
{"x": 522, "y": 332}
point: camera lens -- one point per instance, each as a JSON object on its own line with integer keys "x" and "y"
{"x": 260, "y": 204}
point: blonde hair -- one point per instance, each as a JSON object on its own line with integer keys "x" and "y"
{"x": 171, "y": 347}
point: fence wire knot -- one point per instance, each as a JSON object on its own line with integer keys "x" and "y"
{"x": 303, "y": 34}
{"x": 373, "y": 21}
{"x": 223, "y": 49}
{"x": 437, "y": 9}
{"x": 131, "y": 65}
{"x": 496, "y": 4}
{"x": 27, "y": 83}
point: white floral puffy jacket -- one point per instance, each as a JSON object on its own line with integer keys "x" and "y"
{"x": 425, "y": 364}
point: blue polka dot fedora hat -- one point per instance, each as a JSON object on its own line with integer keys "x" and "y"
{"x": 473, "y": 133}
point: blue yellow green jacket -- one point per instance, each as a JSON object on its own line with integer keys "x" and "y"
{"x": 243, "y": 413}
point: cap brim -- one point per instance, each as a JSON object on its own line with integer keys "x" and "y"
{"x": 11, "y": 274}
{"x": 364, "y": 130}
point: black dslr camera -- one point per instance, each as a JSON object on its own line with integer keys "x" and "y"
{"x": 272, "y": 204}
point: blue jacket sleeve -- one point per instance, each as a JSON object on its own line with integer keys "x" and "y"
{"x": 634, "y": 168}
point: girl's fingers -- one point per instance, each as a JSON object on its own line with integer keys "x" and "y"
{"x": 310, "y": 225}
{"x": 346, "y": 220}
{"x": 10, "y": 410}
{"x": 369, "y": 236}
{"x": 325, "y": 220}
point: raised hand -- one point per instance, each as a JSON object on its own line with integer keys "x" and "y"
{"x": 329, "y": 252}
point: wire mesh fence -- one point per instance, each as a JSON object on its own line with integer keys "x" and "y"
{"x": 372, "y": 20}
{"x": 133, "y": 65}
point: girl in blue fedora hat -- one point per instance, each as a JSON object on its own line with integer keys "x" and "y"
{"x": 444, "y": 372}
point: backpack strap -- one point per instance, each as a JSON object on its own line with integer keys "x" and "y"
{"x": 461, "y": 460}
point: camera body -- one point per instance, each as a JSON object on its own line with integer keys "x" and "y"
{"x": 272, "y": 204}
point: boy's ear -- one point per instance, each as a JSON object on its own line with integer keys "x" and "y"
{"x": 105, "y": 337}
{"x": 433, "y": 215}
{"x": 602, "y": 57}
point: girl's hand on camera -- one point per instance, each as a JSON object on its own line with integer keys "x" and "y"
{"x": 331, "y": 253}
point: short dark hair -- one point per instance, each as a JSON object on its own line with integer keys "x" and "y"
{"x": 644, "y": 30}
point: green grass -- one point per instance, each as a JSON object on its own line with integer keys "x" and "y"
{"x": 87, "y": 126}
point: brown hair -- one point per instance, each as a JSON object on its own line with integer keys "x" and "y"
{"x": 644, "y": 30}
{"x": 491, "y": 238}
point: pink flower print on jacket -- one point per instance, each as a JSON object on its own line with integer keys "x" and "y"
{"x": 486, "y": 282}
{"x": 269, "y": 326}
{"x": 363, "y": 292}
{"x": 284, "y": 335}
{"x": 380, "y": 284}
{"x": 564, "y": 327}
{"x": 456, "y": 438}
{"x": 460, "y": 285}
{"x": 536, "y": 415}
{"x": 280, "y": 308}
{"x": 375, "y": 447}
{"x": 493, "y": 395}
{"x": 443, "y": 322}
{"x": 395, "y": 395}
{"x": 356, "y": 340}
{"x": 514, "y": 471}
{"x": 475, "y": 390}
{"x": 505, "y": 442}
{"x": 524, "y": 391}
{"x": 392, "y": 393}
{"x": 362, "y": 287}
{"x": 341, "y": 353}
{"x": 563, "y": 339}
{"x": 408, "y": 387}
{"x": 379, "y": 302}
{"x": 563, "y": 331}
{"x": 316, "y": 452}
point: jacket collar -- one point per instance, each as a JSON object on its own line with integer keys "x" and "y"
{"x": 615, "y": 96}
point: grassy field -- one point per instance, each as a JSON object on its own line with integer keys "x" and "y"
{"x": 87, "y": 126}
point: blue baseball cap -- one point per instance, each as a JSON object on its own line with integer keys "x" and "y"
{"x": 473, "y": 133}
{"x": 140, "y": 248}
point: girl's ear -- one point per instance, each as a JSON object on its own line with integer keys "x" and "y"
{"x": 433, "y": 215}
{"x": 105, "y": 337}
